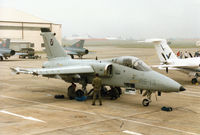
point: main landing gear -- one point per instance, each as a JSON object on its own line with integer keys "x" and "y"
{"x": 1, "y": 58}
{"x": 194, "y": 80}
{"x": 147, "y": 100}
{"x": 72, "y": 56}
{"x": 113, "y": 93}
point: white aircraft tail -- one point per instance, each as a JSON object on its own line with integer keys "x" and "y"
{"x": 52, "y": 46}
{"x": 163, "y": 50}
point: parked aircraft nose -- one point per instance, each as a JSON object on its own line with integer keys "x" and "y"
{"x": 182, "y": 88}
{"x": 166, "y": 84}
{"x": 86, "y": 51}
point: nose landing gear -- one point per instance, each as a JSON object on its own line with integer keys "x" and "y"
{"x": 147, "y": 100}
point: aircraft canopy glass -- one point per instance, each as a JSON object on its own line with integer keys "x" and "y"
{"x": 132, "y": 62}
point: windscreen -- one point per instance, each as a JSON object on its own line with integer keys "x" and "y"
{"x": 140, "y": 65}
{"x": 132, "y": 62}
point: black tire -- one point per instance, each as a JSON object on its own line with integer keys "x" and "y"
{"x": 72, "y": 56}
{"x": 119, "y": 90}
{"x": 114, "y": 94}
{"x": 194, "y": 80}
{"x": 1, "y": 58}
{"x": 145, "y": 102}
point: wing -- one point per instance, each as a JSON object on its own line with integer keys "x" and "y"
{"x": 175, "y": 66}
{"x": 55, "y": 71}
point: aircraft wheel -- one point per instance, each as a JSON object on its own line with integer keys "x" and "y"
{"x": 1, "y": 58}
{"x": 114, "y": 93}
{"x": 72, "y": 56}
{"x": 119, "y": 90}
{"x": 145, "y": 102}
{"x": 194, "y": 80}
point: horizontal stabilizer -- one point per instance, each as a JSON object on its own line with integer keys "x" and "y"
{"x": 45, "y": 30}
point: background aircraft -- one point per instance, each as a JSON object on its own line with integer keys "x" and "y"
{"x": 5, "y": 52}
{"x": 169, "y": 60}
{"x": 77, "y": 49}
{"x": 125, "y": 71}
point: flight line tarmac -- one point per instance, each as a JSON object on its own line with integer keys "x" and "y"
{"x": 28, "y": 106}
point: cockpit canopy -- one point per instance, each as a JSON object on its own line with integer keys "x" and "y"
{"x": 132, "y": 62}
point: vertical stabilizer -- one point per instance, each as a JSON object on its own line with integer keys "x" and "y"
{"x": 5, "y": 43}
{"x": 163, "y": 50}
{"x": 52, "y": 46}
{"x": 78, "y": 44}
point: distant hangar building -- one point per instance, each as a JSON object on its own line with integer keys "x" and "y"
{"x": 24, "y": 29}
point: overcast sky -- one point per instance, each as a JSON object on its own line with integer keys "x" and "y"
{"x": 126, "y": 18}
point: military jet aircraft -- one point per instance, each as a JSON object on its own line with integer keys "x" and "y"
{"x": 5, "y": 52}
{"x": 169, "y": 60}
{"x": 77, "y": 49}
{"x": 125, "y": 71}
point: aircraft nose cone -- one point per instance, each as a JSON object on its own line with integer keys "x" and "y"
{"x": 182, "y": 88}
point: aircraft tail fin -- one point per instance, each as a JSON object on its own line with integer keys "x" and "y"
{"x": 78, "y": 44}
{"x": 5, "y": 43}
{"x": 163, "y": 50}
{"x": 52, "y": 46}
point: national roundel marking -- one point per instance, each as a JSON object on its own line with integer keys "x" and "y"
{"x": 51, "y": 42}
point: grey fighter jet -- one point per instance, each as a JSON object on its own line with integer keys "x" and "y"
{"x": 5, "y": 52}
{"x": 127, "y": 71}
{"x": 77, "y": 49}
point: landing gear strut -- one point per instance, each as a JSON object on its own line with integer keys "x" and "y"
{"x": 1, "y": 58}
{"x": 147, "y": 100}
{"x": 194, "y": 80}
{"x": 72, "y": 56}
{"x": 80, "y": 56}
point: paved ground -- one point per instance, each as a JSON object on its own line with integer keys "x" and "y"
{"x": 28, "y": 107}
